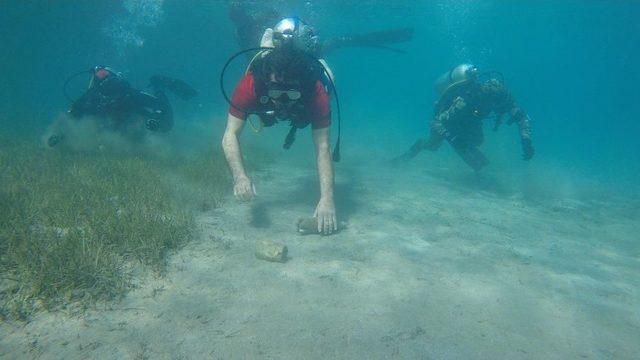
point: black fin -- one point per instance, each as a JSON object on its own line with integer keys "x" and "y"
{"x": 374, "y": 39}
{"x": 385, "y": 37}
{"x": 177, "y": 87}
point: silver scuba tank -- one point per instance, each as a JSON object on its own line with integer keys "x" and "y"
{"x": 458, "y": 74}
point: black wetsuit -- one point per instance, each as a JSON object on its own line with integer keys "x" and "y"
{"x": 458, "y": 116}
{"x": 253, "y": 18}
{"x": 113, "y": 97}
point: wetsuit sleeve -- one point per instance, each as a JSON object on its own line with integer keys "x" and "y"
{"x": 524, "y": 124}
{"x": 244, "y": 98}
{"x": 320, "y": 108}
{"x": 517, "y": 115}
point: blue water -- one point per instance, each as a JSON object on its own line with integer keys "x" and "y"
{"x": 572, "y": 65}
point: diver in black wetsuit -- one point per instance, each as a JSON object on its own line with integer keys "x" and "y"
{"x": 466, "y": 98}
{"x": 252, "y": 19}
{"x": 112, "y": 98}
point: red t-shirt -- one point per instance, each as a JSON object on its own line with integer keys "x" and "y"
{"x": 317, "y": 108}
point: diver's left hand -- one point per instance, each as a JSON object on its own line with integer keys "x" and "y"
{"x": 326, "y": 215}
{"x": 527, "y": 149}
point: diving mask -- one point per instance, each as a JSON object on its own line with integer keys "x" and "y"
{"x": 291, "y": 94}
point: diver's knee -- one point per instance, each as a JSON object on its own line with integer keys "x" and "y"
{"x": 433, "y": 144}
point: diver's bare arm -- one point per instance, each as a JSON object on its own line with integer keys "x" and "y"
{"x": 231, "y": 146}
{"x": 325, "y": 166}
{"x": 326, "y": 209}
{"x": 524, "y": 126}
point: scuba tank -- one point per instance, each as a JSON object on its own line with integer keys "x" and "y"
{"x": 457, "y": 75}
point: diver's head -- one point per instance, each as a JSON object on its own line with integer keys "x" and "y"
{"x": 286, "y": 77}
{"x": 295, "y": 34}
{"x": 290, "y": 67}
{"x": 101, "y": 73}
{"x": 492, "y": 85}
{"x": 494, "y": 91}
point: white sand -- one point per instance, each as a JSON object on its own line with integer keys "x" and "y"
{"x": 435, "y": 264}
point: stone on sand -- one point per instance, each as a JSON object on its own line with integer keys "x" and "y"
{"x": 309, "y": 225}
{"x": 271, "y": 251}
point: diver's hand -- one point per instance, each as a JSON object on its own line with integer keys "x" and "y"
{"x": 152, "y": 124}
{"x": 326, "y": 215}
{"x": 527, "y": 149}
{"x": 243, "y": 189}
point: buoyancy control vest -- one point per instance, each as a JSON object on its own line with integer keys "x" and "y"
{"x": 271, "y": 111}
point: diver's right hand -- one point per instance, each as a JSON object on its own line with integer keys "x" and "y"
{"x": 243, "y": 188}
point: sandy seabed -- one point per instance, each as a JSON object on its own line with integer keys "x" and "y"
{"x": 429, "y": 267}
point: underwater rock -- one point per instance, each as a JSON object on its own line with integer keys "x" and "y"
{"x": 271, "y": 251}
{"x": 309, "y": 225}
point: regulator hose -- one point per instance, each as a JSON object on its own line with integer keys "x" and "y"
{"x": 336, "y": 149}
{"x": 69, "y": 79}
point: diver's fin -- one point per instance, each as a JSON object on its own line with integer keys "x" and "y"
{"x": 415, "y": 149}
{"x": 393, "y": 36}
{"x": 373, "y": 39}
{"x": 177, "y": 87}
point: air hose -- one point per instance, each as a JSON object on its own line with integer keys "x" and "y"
{"x": 69, "y": 79}
{"x": 336, "y": 149}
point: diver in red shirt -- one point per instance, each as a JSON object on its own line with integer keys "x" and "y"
{"x": 285, "y": 84}
{"x": 467, "y": 98}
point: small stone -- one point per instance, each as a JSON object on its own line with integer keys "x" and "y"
{"x": 271, "y": 251}
{"x": 309, "y": 225}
